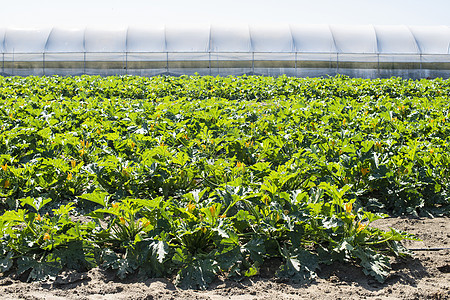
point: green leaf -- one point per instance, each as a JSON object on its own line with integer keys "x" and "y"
{"x": 123, "y": 266}
{"x": 255, "y": 249}
{"x": 39, "y": 270}
{"x": 75, "y": 256}
{"x": 97, "y": 196}
{"x": 12, "y": 216}
{"x": 229, "y": 258}
{"x": 252, "y": 271}
{"x": 159, "y": 250}
{"x": 197, "y": 275}
{"x": 300, "y": 265}
{"x": 269, "y": 187}
{"x": 36, "y": 203}
{"x": 6, "y": 262}
{"x": 374, "y": 264}
{"x": 398, "y": 249}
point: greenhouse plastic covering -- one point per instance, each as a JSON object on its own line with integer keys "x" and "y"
{"x": 292, "y": 49}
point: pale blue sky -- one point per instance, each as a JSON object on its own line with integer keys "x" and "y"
{"x": 79, "y": 13}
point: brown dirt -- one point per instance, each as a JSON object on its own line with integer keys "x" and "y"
{"x": 425, "y": 276}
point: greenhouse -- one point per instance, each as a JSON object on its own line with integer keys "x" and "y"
{"x": 295, "y": 50}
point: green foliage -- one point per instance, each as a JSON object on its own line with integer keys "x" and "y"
{"x": 300, "y": 265}
{"x": 206, "y": 176}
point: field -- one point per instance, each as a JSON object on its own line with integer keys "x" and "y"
{"x": 200, "y": 179}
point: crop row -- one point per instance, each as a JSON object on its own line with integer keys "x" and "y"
{"x": 201, "y": 176}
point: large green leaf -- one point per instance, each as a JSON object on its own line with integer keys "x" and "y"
{"x": 374, "y": 264}
{"x": 300, "y": 265}
{"x": 38, "y": 270}
{"x": 97, "y": 196}
{"x": 197, "y": 275}
{"x": 6, "y": 262}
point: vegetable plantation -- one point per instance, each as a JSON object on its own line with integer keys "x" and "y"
{"x": 196, "y": 177}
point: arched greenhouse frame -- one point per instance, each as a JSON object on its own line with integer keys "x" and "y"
{"x": 295, "y": 50}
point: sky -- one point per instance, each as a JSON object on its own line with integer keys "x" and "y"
{"x": 115, "y": 13}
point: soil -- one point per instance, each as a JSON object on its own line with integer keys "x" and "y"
{"x": 424, "y": 276}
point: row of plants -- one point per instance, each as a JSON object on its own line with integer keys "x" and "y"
{"x": 206, "y": 176}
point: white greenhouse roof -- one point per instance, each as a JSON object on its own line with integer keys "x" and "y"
{"x": 230, "y": 38}
{"x": 2, "y": 38}
{"x": 396, "y": 39}
{"x": 105, "y": 40}
{"x": 354, "y": 39}
{"x": 146, "y": 39}
{"x": 26, "y": 40}
{"x": 190, "y": 38}
{"x": 65, "y": 40}
{"x": 271, "y": 39}
{"x": 432, "y": 40}
{"x": 365, "y": 39}
{"x": 313, "y": 38}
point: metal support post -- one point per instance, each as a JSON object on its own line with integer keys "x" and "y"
{"x": 378, "y": 64}
{"x": 295, "y": 63}
{"x": 209, "y": 63}
{"x": 126, "y": 62}
{"x": 337, "y": 63}
{"x": 167, "y": 62}
{"x": 253, "y": 63}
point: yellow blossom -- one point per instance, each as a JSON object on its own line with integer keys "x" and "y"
{"x": 7, "y": 184}
{"x": 360, "y": 226}
{"x": 348, "y": 207}
{"x": 191, "y": 207}
{"x": 4, "y": 167}
{"x": 378, "y": 145}
{"x": 122, "y": 220}
{"x": 240, "y": 164}
{"x": 46, "y": 236}
{"x": 69, "y": 176}
{"x": 364, "y": 171}
{"x": 212, "y": 210}
{"x": 73, "y": 163}
{"x": 38, "y": 218}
